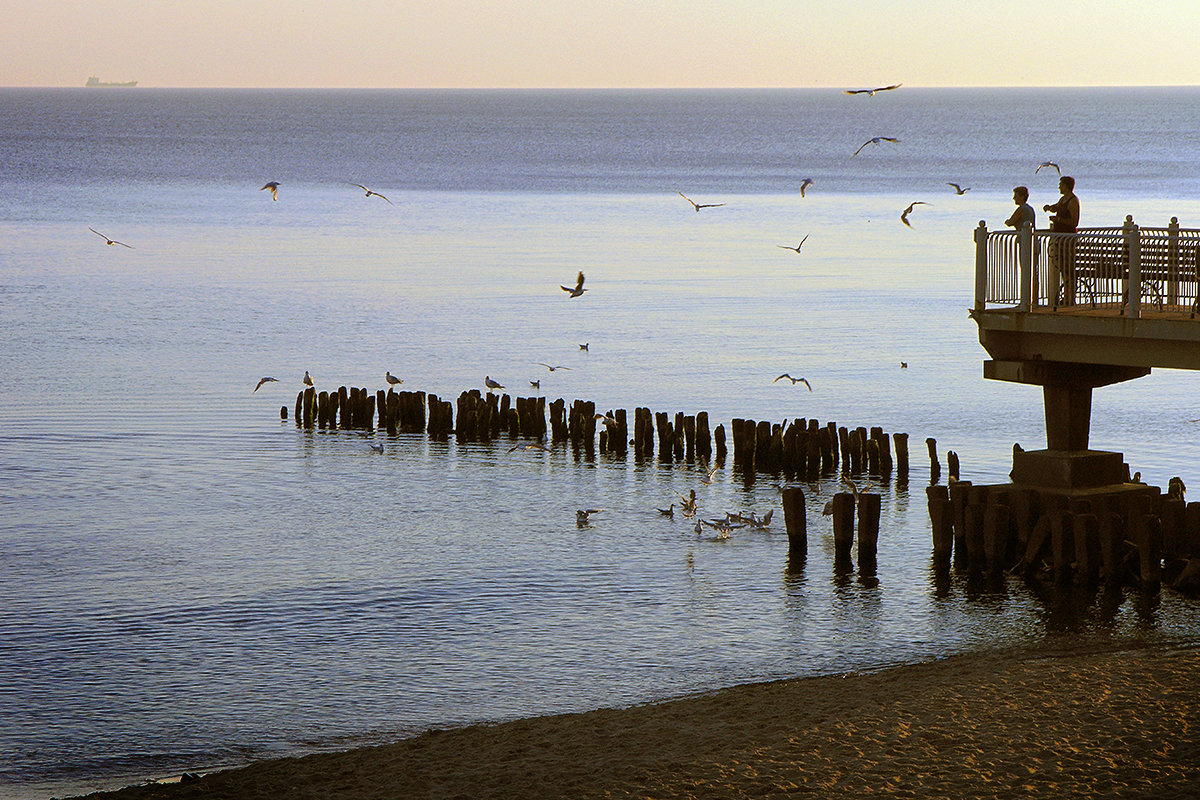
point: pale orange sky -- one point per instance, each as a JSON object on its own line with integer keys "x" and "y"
{"x": 614, "y": 43}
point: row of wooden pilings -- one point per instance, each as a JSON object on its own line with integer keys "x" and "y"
{"x": 1138, "y": 538}
{"x": 803, "y": 448}
{"x": 845, "y": 509}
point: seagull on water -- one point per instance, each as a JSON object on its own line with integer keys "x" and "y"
{"x": 307, "y": 379}
{"x": 109, "y": 241}
{"x": 793, "y": 380}
{"x": 804, "y": 184}
{"x": 669, "y": 511}
{"x": 797, "y": 247}
{"x": 583, "y": 346}
{"x": 581, "y": 515}
{"x": 274, "y": 187}
{"x": 577, "y": 290}
{"x": 875, "y": 140}
{"x": 491, "y": 384}
{"x": 959, "y": 189}
{"x": 529, "y": 446}
{"x": 536, "y": 384}
{"x": 1047, "y": 164}
{"x": 371, "y": 193}
{"x": 699, "y": 206}
{"x": 907, "y": 211}
{"x": 261, "y": 381}
{"x": 871, "y": 92}
{"x": 551, "y": 368}
{"x": 392, "y": 379}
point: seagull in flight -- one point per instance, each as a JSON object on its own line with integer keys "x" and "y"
{"x": 793, "y": 380}
{"x": 797, "y": 247}
{"x": 907, "y": 211}
{"x": 875, "y": 140}
{"x": 392, "y": 379}
{"x": 371, "y": 193}
{"x": 1047, "y": 164}
{"x": 871, "y": 92}
{"x": 708, "y": 479}
{"x": 699, "y": 206}
{"x": 547, "y": 366}
{"x": 108, "y": 240}
{"x": 491, "y": 384}
{"x": 307, "y": 379}
{"x": 261, "y": 381}
{"x": 958, "y": 189}
{"x": 804, "y": 184}
{"x": 274, "y": 187}
{"x": 578, "y": 290}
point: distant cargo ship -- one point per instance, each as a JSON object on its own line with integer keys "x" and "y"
{"x": 96, "y": 82}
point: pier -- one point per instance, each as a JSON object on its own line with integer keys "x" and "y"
{"x": 1073, "y": 313}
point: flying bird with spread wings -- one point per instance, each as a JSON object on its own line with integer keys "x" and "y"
{"x": 797, "y": 247}
{"x": 793, "y": 380}
{"x": 261, "y": 381}
{"x": 1047, "y": 164}
{"x": 904, "y": 214}
{"x": 804, "y": 184}
{"x": 871, "y": 92}
{"x": 109, "y": 241}
{"x": 699, "y": 206}
{"x": 274, "y": 187}
{"x": 578, "y": 288}
{"x": 959, "y": 189}
{"x": 875, "y": 140}
{"x": 371, "y": 193}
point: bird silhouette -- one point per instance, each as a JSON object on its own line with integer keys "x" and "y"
{"x": 109, "y": 241}
{"x": 371, "y": 193}
{"x": 959, "y": 189}
{"x": 1047, "y": 164}
{"x": 876, "y": 140}
{"x": 804, "y": 184}
{"x": 871, "y": 92}
{"x": 797, "y": 247}
{"x": 274, "y": 187}
{"x": 549, "y": 367}
{"x": 669, "y": 511}
{"x": 392, "y": 379}
{"x": 529, "y": 446}
{"x": 904, "y": 214}
{"x": 491, "y": 384}
{"x": 699, "y": 206}
{"x": 582, "y": 514}
{"x": 307, "y": 379}
{"x": 583, "y": 346}
{"x": 708, "y": 479}
{"x": 536, "y": 384}
{"x": 793, "y": 380}
{"x": 261, "y": 381}
{"x": 578, "y": 288}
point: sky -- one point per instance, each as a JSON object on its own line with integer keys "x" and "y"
{"x": 605, "y": 44}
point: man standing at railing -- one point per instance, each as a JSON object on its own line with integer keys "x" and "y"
{"x": 1024, "y": 212}
{"x": 1064, "y": 220}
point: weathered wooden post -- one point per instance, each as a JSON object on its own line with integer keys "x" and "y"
{"x": 868, "y": 532}
{"x": 935, "y": 467}
{"x": 1147, "y": 536}
{"x": 677, "y": 435}
{"x": 1086, "y": 530}
{"x": 952, "y": 466}
{"x": 941, "y": 519}
{"x": 719, "y": 442}
{"x": 299, "y": 407}
{"x": 958, "y": 502}
{"x": 843, "y": 530}
{"x": 795, "y": 517}
{"x": 666, "y": 436}
{"x": 322, "y": 409}
{"x": 1062, "y": 544}
{"x": 901, "y": 441}
{"x": 283, "y": 414}
{"x": 343, "y": 406}
{"x": 995, "y": 536}
{"x": 310, "y": 403}
{"x": 1112, "y": 548}
{"x": 1190, "y": 547}
{"x": 1174, "y": 527}
{"x": 689, "y": 438}
{"x": 704, "y": 447}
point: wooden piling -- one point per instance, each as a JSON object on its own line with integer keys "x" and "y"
{"x": 843, "y": 530}
{"x": 1174, "y": 527}
{"x": 1062, "y": 545}
{"x": 1147, "y": 537}
{"x": 704, "y": 446}
{"x": 901, "y": 442}
{"x": 310, "y": 404}
{"x": 666, "y": 436}
{"x": 952, "y": 473}
{"x": 935, "y": 467}
{"x": 1087, "y": 549}
{"x": 719, "y": 443}
{"x": 868, "y": 532}
{"x": 795, "y": 517}
{"x": 677, "y": 433}
{"x": 995, "y": 537}
{"x": 941, "y": 520}
{"x": 958, "y": 502}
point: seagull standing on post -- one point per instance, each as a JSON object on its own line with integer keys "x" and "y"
{"x": 392, "y": 379}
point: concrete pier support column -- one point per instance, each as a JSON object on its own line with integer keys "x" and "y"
{"x": 1068, "y": 415}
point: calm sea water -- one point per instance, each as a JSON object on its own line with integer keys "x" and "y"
{"x": 186, "y": 581}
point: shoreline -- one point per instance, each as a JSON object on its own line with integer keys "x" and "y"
{"x": 1028, "y": 723}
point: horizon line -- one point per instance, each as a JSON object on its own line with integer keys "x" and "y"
{"x": 615, "y": 88}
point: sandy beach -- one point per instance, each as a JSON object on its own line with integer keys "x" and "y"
{"x": 1033, "y": 724}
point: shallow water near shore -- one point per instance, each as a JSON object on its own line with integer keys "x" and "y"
{"x": 190, "y": 581}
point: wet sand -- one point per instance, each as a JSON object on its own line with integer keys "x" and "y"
{"x": 1122, "y": 723}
